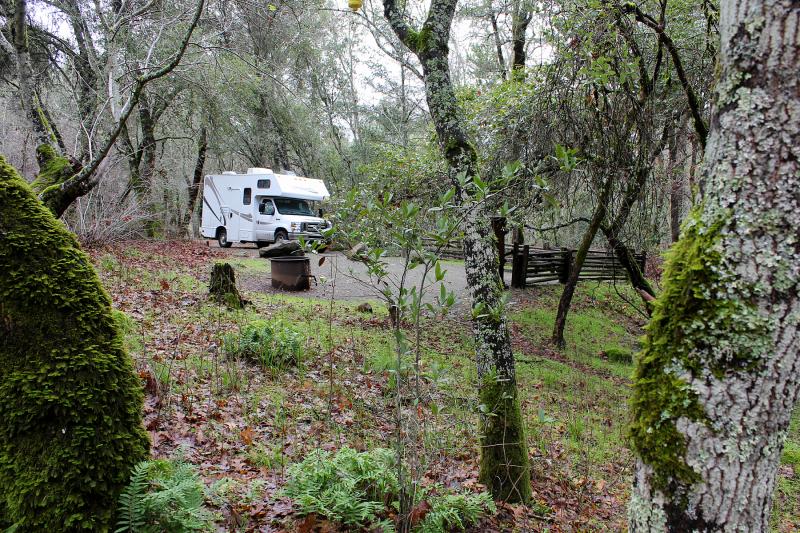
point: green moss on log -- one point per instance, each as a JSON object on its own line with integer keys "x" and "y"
{"x": 70, "y": 401}
{"x": 504, "y": 467}
{"x": 700, "y": 324}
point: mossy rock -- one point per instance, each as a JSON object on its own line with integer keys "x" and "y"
{"x": 618, "y": 355}
{"x": 70, "y": 401}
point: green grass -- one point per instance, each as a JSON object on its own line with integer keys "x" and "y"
{"x": 249, "y": 264}
{"x": 786, "y": 500}
{"x": 575, "y": 408}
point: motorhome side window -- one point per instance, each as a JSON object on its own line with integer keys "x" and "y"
{"x": 266, "y": 207}
{"x": 247, "y": 196}
{"x": 263, "y": 184}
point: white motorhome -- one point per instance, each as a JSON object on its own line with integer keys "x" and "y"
{"x": 261, "y": 207}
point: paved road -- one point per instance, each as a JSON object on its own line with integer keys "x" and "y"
{"x": 349, "y": 280}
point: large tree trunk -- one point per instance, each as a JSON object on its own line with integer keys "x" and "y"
{"x": 504, "y": 451}
{"x": 580, "y": 256}
{"x": 519, "y": 25}
{"x": 70, "y": 400}
{"x": 720, "y": 372}
{"x": 29, "y": 97}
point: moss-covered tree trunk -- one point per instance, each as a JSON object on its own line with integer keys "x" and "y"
{"x": 504, "y": 451}
{"x": 70, "y": 401}
{"x": 720, "y": 372}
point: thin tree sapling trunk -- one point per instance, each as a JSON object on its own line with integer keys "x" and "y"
{"x": 580, "y": 256}
{"x": 504, "y": 466}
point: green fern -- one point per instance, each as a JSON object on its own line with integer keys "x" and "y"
{"x": 351, "y": 488}
{"x": 354, "y": 489}
{"x": 163, "y": 496}
{"x": 271, "y": 344}
{"x": 454, "y": 512}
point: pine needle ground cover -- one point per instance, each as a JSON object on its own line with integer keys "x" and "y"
{"x": 243, "y": 426}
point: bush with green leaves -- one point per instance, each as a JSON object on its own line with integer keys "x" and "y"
{"x": 619, "y": 355}
{"x": 270, "y": 344}
{"x": 356, "y": 489}
{"x": 163, "y": 496}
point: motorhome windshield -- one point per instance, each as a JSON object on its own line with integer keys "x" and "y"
{"x": 291, "y": 206}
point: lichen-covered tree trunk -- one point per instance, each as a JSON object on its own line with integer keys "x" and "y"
{"x": 70, "y": 401}
{"x": 580, "y": 257}
{"x": 504, "y": 451}
{"x": 720, "y": 372}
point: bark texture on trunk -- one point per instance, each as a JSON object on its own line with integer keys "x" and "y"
{"x": 504, "y": 450}
{"x": 197, "y": 177}
{"x": 519, "y": 25}
{"x": 29, "y": 97}
{"x": 720, "y": 372}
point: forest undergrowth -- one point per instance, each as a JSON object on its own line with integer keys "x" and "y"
{"x": 242, "y": 416}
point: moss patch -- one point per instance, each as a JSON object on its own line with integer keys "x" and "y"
{"x": 505, "y": 467}
{"x": 53, "y": 168}
{"x": 699, "y": 323}
{"x": 70, "y": 401}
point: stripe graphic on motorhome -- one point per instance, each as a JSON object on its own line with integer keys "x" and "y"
{"x": 219, "y": 218}
{"x": 214, "y": 189}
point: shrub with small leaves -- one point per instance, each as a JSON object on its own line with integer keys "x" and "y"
{"x": 270, "y": 344}
{"x": 163, "y": 496}
{"x": 619, "y": 355}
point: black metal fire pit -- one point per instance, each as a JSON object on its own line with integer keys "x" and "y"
{"x": 291, "y": 273}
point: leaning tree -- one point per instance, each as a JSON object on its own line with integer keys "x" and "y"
{"x": 504, "y": 452}
{"x": 720, "y": 372}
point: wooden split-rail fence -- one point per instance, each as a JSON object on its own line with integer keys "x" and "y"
{"x": 534, "y": 265}
{"x": 530, "y": 266}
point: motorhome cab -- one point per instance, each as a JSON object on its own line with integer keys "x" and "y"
{"x": 261, "y": 207}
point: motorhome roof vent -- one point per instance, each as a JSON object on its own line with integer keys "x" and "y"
{"x": 289, "y": 173}
{"x": 259, "y": 170}
{"x": 229, "y": 173}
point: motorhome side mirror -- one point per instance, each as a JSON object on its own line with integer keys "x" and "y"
{"x": 321, "y": 214}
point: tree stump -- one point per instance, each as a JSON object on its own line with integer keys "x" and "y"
{"x": 222, "y": 287}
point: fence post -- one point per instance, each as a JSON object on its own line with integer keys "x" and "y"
{"x": 563, "y": 274}
{"x": 515, "y": 264}
{"x": 523, "y": 278}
